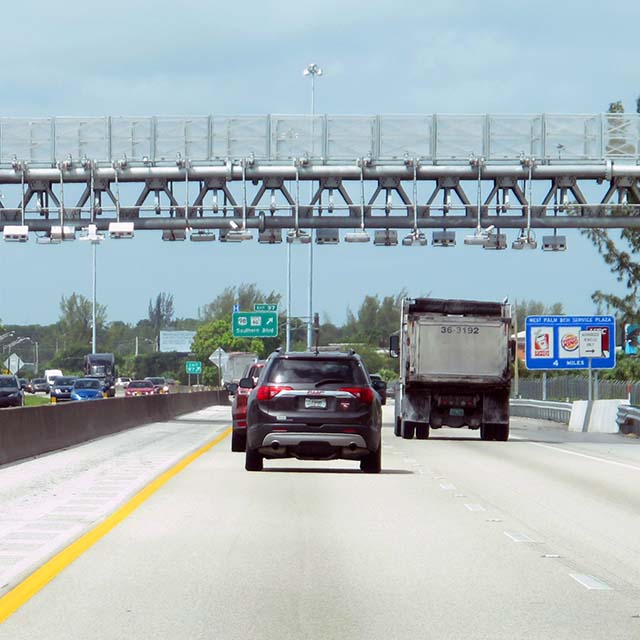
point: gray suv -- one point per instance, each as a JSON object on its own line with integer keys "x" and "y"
{"x": 313, "y": 406}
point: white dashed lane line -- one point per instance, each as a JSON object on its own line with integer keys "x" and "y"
{"x": 589, "y": 582}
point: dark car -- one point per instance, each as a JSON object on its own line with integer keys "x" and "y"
{"x": 159, "y": 384}
{"x": 24, "y": 383}
{"x": 380, "y": 386}
{"x": 39, "y": 385}
{"x": 313, "y": 406}
{"x": 239, "y": 406}
{"x": 61, "y": 389}
{"x": 10, "y": 392}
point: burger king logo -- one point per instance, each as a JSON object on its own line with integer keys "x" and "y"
{"x": 570, "y": 342}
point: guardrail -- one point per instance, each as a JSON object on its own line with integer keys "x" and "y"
{"x": 543, "y": 410}
{"x": 628, "y": 419}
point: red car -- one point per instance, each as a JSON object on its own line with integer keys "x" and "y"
{"x": 239, "y": 407}
{"x": 139, "y": 388}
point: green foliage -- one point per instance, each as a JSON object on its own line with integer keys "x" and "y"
{"x": 169, "y": 365}
{"x": 161, "y": 312}
{"x": 376, "y": 320}
{"x": 526, "y": 308}
{"x": 375, "y": 360}
{"x": 245, "y": 295}
{"x": 70, "y": 360}
{"x": 627, "y": 369}
{"x": 76, "y": 319}
{"x": 215, "y": 334}
{"x": 388, "y": 375}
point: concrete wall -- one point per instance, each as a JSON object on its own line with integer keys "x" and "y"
{"x": 31, "y": 431}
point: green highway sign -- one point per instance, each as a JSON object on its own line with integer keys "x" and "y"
{"x": 260, "y": 306}
{"x": 193, "y": 367}
{"x": 255, "y": 324}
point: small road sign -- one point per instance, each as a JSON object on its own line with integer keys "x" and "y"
{"x": 255, "y": 324}
{"x": 260, "y": 306}
{"x": 570, "y": 342}
{"x": 219, "y": 357}
{"x": 14, "y": 363}
{"x": 193, "y": 367}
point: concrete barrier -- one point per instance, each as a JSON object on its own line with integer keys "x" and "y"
{"x": 597, "y": 416}
{"x": 32, "y": 431}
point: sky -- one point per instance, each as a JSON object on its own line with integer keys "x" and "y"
{"x": 378, "y": 57}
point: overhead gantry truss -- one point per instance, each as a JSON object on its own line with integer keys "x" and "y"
{"x": 415, "y": 173}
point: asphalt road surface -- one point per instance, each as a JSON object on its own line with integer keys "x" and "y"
{"x": 457, "y": 538}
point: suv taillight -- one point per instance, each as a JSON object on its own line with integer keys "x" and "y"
{"x": 267, "y": 392}
{"x": 364, "y": 394}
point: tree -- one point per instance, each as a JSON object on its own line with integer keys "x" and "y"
{"x": 526, "y": 308}
{"x": 215, "y": 334}
{"x": 76, "y": 320}
{"x": 245, "y": 295}
{"x": 376, "y": 320}
{"x": 618, "y": 252}
{"x": 161, "y": 312}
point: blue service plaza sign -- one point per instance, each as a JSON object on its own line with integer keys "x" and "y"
{"x": 570, "y": 342}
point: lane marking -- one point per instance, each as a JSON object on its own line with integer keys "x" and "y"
{"x": 31, "y": 585}
{"x": 624, "y": 465}
{"x": 447, "y": 486}
{"x": 475, "y": 507}
{"x": 589, "y": 582}
{"x": 518, "y": 536}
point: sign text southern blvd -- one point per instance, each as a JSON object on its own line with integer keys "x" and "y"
{"x": 255, "y": 324}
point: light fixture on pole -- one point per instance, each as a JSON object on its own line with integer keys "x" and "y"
{"x": 311, "y": 70}
{"x": 527, "y": 238}
{"x": 95, "y": 239}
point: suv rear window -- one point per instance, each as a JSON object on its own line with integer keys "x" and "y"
{"x": 298, "y": 370}
{"x": 8, "y": 382}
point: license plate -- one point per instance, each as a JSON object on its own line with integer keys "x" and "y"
{"x": 455, "y": 411}
{"x": 315, "y": 403}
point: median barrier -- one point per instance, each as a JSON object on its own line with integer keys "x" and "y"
{"x": 32, "y": 431}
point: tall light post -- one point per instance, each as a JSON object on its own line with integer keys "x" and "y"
{"x": 95, "y": 239}
{"x": 312, "y": 70}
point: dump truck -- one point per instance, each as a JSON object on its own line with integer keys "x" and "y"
{"x": 456, "y": 366}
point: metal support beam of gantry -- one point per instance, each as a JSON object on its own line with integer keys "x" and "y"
{"x": 235, "y": 175}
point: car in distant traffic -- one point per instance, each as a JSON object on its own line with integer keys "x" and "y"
{"x": 239, "y": 406}
{"x": 380, "y": 386}
{"x": 10, "y": 392}
{"x": 23, "y": 383}
{"x": 313, "y": 406}
{"x": 123, "y": 381}
{"x": 159, "y": 384}
{"x": 38, "y": 385}
{"x": 87, "y": 389}
{"x": 139, "y": 388}
{"x": 61, "y": 389}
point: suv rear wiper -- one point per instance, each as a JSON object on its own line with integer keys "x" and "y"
{"x": 329, "y": 381}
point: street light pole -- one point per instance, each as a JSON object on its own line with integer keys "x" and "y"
{"x": 312, "y": 70}
{"x": 94, "y": 238}
{"x": 93, "y": 308}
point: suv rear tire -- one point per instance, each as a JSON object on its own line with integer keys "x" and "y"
{"x": 253, "y": 460}
{"x": 422, "y": 431}
{"x": 408, "y": 429}
{"x": 238, "y": 441}
{"x": 372, "y": 462}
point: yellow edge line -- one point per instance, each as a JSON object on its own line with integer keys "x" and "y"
{"x": 20, "y": 594}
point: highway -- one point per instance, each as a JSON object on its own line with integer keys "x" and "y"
{"x": 457, "y": 538}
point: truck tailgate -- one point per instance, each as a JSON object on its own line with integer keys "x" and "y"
{"x": 450, "y": 348}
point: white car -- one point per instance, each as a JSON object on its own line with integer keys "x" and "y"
{"x": 123, "y": 382}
